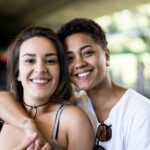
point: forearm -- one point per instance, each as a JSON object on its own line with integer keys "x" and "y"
{"x": 11, "y": 111}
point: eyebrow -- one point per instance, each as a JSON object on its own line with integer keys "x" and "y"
{"x": 51, "y": 54}
{"x": 82, "y": 48}
{"x": 33, "y": 55}
{"x": 86, "y": 46}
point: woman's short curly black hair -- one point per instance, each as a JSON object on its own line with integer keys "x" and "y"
{"x": 83, "y": 25}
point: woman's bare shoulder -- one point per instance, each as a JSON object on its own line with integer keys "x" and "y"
{"x": 72, "y": 110}
{"x": 76, "y": 124}
{"x": 72, "y": 116}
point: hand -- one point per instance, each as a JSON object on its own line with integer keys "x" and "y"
{"x": 28, "y": 143}
{"x": 40, "y": 142}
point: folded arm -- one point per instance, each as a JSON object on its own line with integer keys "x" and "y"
{"x": 12, "y": 112}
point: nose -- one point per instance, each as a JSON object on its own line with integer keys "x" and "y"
{"x": 80, "y": 63}
{"x": 40, "y": 67}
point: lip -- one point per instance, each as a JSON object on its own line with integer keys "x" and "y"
{"x": 84, "y": 74}
{"x": 40, "y": 80}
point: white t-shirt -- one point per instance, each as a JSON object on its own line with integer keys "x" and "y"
{"x": 130, "y": 120}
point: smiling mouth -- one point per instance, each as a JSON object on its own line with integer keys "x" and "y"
{"x": 40, "y": 81}
{"x": 83, "y": 74}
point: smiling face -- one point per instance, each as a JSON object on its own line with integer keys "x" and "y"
{"x": 38, "y": 68}
{"x": 87, "y": 61}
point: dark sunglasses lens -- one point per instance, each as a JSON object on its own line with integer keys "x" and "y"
{"x": 98, "y": 147}
{"x": 104, "y": 132}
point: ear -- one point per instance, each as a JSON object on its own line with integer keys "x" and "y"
{"x": 18, "y": 78}
{"x": 107, "y": 55}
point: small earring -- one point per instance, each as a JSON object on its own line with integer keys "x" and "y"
{"x": 12, "y": 86}
{"x": 18, "y": 78}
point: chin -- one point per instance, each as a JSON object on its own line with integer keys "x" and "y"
{"x": 84, "y": 87}
{"x": 43, "y": 96}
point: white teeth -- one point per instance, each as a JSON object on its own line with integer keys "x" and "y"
{"x": 81, "y": 75}
{"x": 39, "y": 81}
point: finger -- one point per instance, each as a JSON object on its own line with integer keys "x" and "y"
{"x": 38, "y": 144}
{"x": 26, "y": 143}
{"x": 31, "y": 147}
{"x": 46, "y": 147}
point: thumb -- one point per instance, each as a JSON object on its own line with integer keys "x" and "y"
{"x": 31, "y": 147}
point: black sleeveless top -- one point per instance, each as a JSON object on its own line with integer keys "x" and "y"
{"x": 55, "y": 145}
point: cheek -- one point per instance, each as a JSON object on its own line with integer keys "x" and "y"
{"x": 21, "y": 72}
{"x": 70, "y": 68}
{"x": 56, "y": 72}
{"x": 24, "y": 73}
{"x": 22, "y": 68}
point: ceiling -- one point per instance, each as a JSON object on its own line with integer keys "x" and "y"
{"x": 18, "y": 14}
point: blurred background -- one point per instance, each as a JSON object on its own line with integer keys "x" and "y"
{"x": 126, "y": 22}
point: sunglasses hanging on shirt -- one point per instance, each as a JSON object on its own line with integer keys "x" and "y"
{"x": 104, "y": 133}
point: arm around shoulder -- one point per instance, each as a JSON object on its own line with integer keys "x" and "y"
{"x": 11, "y": 111}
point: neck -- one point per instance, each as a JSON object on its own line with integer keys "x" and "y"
{"x": 36, "y": 107}
{"x": 104, "y": 97}
{"x": 102, "y": 91}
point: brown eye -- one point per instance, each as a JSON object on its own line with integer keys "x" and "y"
{"x": 51, "y": 61}
{"x": 31, "y": 61}
{"x": 87, "y": 53}
{"x": 70, "y": 58}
